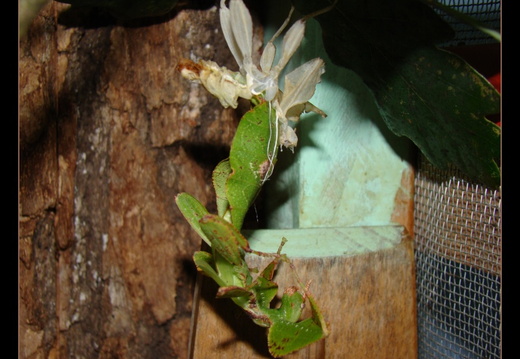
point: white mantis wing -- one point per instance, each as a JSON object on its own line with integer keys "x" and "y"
{"x": 267, "y": 58}
{"x": 237, "y": 27}
{"x": 300, "y": 85}
{"x": 291, "y": 41}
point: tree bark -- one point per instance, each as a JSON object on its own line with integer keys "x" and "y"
{"x": 109, "y": 134}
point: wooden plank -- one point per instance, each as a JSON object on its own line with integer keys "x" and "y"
{"x": 363, "y": 280}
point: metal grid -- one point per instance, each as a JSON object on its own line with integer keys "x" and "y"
{"x": 458, "y": 262}
{"x": 487, "y": 12}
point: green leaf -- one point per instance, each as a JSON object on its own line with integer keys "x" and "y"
{"x": 205, "y": 264}
{"x": 265, "y": 291}
{"x": 193, "y": 211}
{"x": 231, "y": 274}
{"x": 253, "y": 142}
{"x": 424, "y": 93}
{"x": 285, "y": 337}
{"x": 290, "y": 308}
{"x": 317, "y": 317}
{"x": 220, "y": 176}
{"x": 440, "y": 103}
{"x": 225, "y": 239}
{"x": 292, "y": 305}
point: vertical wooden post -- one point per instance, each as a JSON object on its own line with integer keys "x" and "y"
{"x": 344, "y": 202}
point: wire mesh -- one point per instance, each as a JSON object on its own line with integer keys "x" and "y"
{"x": 487, "y": 12}
{"x": 458, "y": 264}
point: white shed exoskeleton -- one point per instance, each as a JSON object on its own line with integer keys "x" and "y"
{"x": 261, "y": 79}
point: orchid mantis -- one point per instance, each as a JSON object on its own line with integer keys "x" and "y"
{"x": 260, "y": 79}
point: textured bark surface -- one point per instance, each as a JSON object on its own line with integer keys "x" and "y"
{"x": 109, "y": 134}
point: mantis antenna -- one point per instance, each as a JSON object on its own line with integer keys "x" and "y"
{"x": 320, "y": 12}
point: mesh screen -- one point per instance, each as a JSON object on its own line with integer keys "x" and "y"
{"x": 487, "y": 12}
{"x": 458, "y": 261}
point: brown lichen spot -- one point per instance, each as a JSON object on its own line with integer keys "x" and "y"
{"x": 263, "y": 169}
